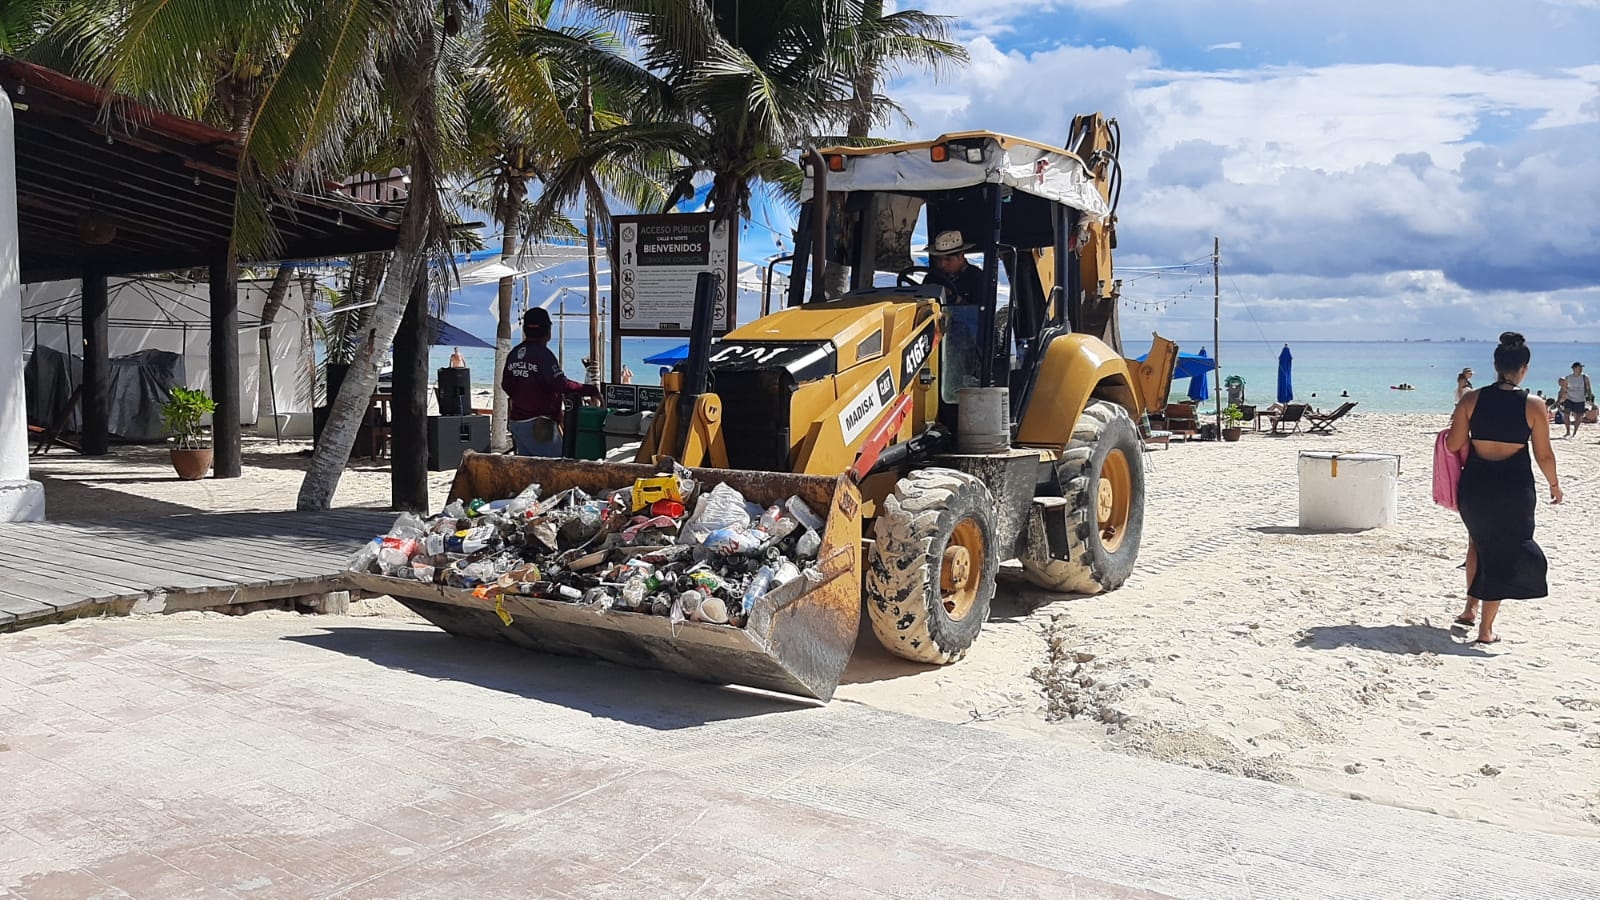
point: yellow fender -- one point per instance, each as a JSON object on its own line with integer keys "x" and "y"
{"x": 1076, "y": 368}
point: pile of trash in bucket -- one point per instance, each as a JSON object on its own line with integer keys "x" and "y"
{"x": 637, "y": 549}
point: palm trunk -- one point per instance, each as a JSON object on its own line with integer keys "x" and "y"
{"x": 406, "y": 265}
{"x": 499, "y": 436}
{"x": 858, "y": 124}
{"x": 266, "y": 404}
{"x": 349, "y": 408}
{"x": 597, "y": 353}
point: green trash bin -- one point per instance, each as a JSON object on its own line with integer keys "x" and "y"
{"x": 591, "y": 432}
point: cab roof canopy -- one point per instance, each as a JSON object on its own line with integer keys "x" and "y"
{"x": 965, "y": 159}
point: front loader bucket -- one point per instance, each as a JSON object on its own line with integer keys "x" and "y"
{"x": 798, "y": 637}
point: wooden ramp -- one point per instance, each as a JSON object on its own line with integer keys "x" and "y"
{"x": 51, "y": 571}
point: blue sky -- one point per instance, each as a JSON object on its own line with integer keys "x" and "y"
{"x": 1403, "y": 168}
{"x": 1374, "y": 168}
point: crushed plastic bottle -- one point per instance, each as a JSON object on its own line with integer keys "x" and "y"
{"x": 809, "y": 545}
{"x": 407, "y": 525}
{"x": 735, "y": 541}
{"x": 364, "y": 559}
{"x": 527, "y": 499}
{"x": 803, "y": 513}
{"x": 776, "y": 524}
{"x": 633, "y": 593}
{"x": 396, "y": 552}
{"x": 758, "y": 586}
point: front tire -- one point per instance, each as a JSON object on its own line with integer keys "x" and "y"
{"x": 931, "y": 569}
{"x": 1101, "y": 476}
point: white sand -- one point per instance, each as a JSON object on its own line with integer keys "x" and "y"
{"x": 1241, "y": 644}
{"x": 1326, "y": 660}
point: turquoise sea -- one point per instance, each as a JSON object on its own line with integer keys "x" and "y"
{"x": 1321, "y": 370}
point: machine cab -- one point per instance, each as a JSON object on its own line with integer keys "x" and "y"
{"x": 1018, "y": 208}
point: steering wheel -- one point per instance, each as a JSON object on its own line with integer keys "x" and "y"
{"x": 928, "y": 275}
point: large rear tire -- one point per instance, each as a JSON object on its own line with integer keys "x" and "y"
{"x": 1101, "y": 476}
{"x": 931, "y": 569}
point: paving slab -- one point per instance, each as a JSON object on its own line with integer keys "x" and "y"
{"x": 281, "y": 755}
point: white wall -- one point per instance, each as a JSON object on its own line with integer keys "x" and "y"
{"x": 20, "y": 498}
{"x": 173, "y": 316}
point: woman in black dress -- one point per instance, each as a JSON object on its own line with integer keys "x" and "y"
{"x": 1496, "y": 496}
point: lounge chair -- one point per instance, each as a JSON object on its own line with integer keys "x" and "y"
{"x": 1291, "y": 415}
{"x": 1182, "y": 421}
{"x": 1322, "y": 423}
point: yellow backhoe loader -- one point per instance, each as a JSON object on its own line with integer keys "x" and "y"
{"x": 942, "y": 434}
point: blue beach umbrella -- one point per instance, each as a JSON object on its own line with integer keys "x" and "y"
{"x": 1199, "y": 387}
{"x": 447, "y": 335}
{"x": 669, "y": 357}
{"x": 1189, "y": 364}
{"x": 1285, "y": 379}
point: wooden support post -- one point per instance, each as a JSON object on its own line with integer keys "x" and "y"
{"x": 225, "y": 437}
{"x": 96, "y": 409}
{"x": 408, "y": 440}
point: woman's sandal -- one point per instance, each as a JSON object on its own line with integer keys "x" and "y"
{"x": 1463, "y": 620}
{"x": 1493, "y": 640}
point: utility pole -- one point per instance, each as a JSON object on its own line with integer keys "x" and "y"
{"x": 1216, "y": 323}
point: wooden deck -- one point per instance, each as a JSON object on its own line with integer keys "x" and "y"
{"x": 52, "y": 571}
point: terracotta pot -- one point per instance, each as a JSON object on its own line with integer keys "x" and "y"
{"x": 191, "y": 465}
{"x": 1231, "y": 433}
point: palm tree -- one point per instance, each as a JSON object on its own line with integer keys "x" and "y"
{"x": 344, "y": 62}
{"x": 732, "y": 92}
{"x": 79, "y": 38}
{"x": 881, "y": 45}
{"x": 577, "y": 57}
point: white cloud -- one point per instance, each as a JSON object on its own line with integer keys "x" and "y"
{"x": 1456, "y": 191}
{"x": 1230, "y": 45}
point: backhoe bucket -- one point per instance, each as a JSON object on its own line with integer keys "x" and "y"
{"x": 798, "y": 637}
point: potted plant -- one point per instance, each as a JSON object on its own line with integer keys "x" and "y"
{"x": 1232, "y": 415}
{"x": 191, "y": 453}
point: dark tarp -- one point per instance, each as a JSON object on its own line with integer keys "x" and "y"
{"x": 137, "y": 386}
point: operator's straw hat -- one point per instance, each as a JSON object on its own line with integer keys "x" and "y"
{"x": 948, "y": 243}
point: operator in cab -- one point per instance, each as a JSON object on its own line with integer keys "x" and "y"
{"x": 947, "y": 255}
{"x": 534, "y": 383}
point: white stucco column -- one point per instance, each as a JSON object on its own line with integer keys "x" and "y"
{"x": 21, "y": 500}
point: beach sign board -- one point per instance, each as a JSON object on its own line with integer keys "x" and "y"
{"x": 657, "y": 259}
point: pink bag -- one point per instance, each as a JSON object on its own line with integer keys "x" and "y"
{"x": 1446, "y": 471}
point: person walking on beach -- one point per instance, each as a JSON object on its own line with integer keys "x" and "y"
{"x": 457, "y": 361}
{"x": 1496, "y": 496}
{"x": 1463, "y": 383}
{"x": 1576, "y": 392}
{"x": 533, "y": 381}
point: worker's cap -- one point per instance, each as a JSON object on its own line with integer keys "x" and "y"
{"x": 948, "y": 243}
{"x": 1577, "y": 365}
{"x": 538, "y": 317}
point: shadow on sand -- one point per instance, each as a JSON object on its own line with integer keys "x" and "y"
{"x": 658, "y": 700}
{"x": 1408, "y": 640}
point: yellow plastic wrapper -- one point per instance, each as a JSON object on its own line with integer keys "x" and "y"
{"x": 648, "y": 490}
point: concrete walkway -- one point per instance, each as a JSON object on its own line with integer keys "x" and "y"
{"x": 284, "y": 756}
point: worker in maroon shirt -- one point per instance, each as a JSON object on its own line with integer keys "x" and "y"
{"x": 533, "y": 381}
